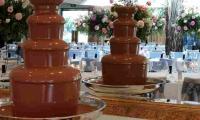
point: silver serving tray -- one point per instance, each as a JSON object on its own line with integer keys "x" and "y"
{"x": 89, "y": 108}
{"x": 96, "y": 87}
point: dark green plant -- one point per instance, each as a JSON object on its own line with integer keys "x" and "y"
{"x": 189, "y": 23}
{"x": 13, "y": 20}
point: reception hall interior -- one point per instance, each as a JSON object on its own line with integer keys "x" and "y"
{"x": 99, "y": 59}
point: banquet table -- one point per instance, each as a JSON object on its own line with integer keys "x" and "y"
{"x": 114, "y": 117}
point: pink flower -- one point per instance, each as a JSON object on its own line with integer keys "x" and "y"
{"x": 10, "y": 9}
{"x": 18, "y": 16}
{"x": 2, "y": 2}
{"x": 140, "y": 24}
{"x": 104, "y": 30}
{"x": 96, "y": 27}
{"x": 148, "y": 3}
{"x": 93, "y": 17}
{"x": 192, "y": 23}
{"x": 78, "y": 23}
{"x": 142, "y": 8}
{"x": 111, "y": 25}
{"x": 154, "y": 18}
{"x": 178, "y": 28}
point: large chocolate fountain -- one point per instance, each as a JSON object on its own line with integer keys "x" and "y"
{"x": 44, "y": 86}
{"x": 124, "y": 66}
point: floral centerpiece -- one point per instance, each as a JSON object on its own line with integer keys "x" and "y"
{"x": 100, "y": 22}
{"x": 188, "y": 23}
{"x": 144, "y": 21}
{"x": 158, "y": 22}
{"x": 13, "y": 17}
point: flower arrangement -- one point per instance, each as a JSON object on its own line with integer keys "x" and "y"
{"x": 99, "y": 22}
{"x": 144, "y": 21}
{"x": 188, "y": 23}
{"x": 158, "y": 22}
{"x": 13, "y": 17}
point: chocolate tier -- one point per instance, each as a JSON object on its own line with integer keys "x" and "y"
{"x": 45, "y": 86}
{"x": 124, "y": 66}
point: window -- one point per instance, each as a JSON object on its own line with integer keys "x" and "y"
{"x": 70, "y": 15}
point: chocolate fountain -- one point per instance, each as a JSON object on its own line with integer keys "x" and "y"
{"x": 124, "y": 66}
{"x": 45, "y": 86}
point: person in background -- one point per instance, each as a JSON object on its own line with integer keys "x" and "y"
{"x": 2, "y": 43}
{"x": 19, "y": 53}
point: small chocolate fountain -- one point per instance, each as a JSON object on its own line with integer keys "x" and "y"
{"x": 124, "y": 66}
{"x": 45, "y": 86}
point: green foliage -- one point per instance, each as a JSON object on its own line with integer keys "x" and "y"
{"x": 158, "y": 21}
{"x": 143, "y": 14}
{"x": 99, "y": 22}
{"x": 12, "y": 26}
{"x": 189, "y": 23}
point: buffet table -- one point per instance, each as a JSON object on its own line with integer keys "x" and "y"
{"x": 112, "y": 117}
{"x": 151, "y": 109}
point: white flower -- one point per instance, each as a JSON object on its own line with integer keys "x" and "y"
{"x": 183, "y": 15}
{"x": 84, "y": 24}
{"x": 190, "y": 12}
{"x": 160, "y": 24}
{"x": 7, "y": 20}
{"x": 185, "y": 28}
{"x": 115, "y": 14}
{"x": 25, "y": 3}
{"x": 156, "y": 27}
{"x": 163, "y": 19}
{"x": 140, "y": 24}
{"x": 193, "y": 17}
{"x": 185, "y": 21}
{"x": 198, "y": 31}
{"x": 153, "y": 24}
{"x": 96, "y": 27}
{"x": 105, "y": 19}
{"x": 18, "y": 16}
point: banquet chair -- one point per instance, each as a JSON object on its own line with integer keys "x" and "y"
{"x": 160, "y": 48}
{"x": 176, "y": 55}
{"x": 154, "y": 61}
{"x": 91, "y": 54}
{"x": 155, "y": 54}
{"x": 192, "y": 54}
{"x": 75, "y": 56}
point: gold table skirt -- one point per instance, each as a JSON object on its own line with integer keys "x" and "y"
{"x": 143, "y": 109}
{"x": 151, "y": 110}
